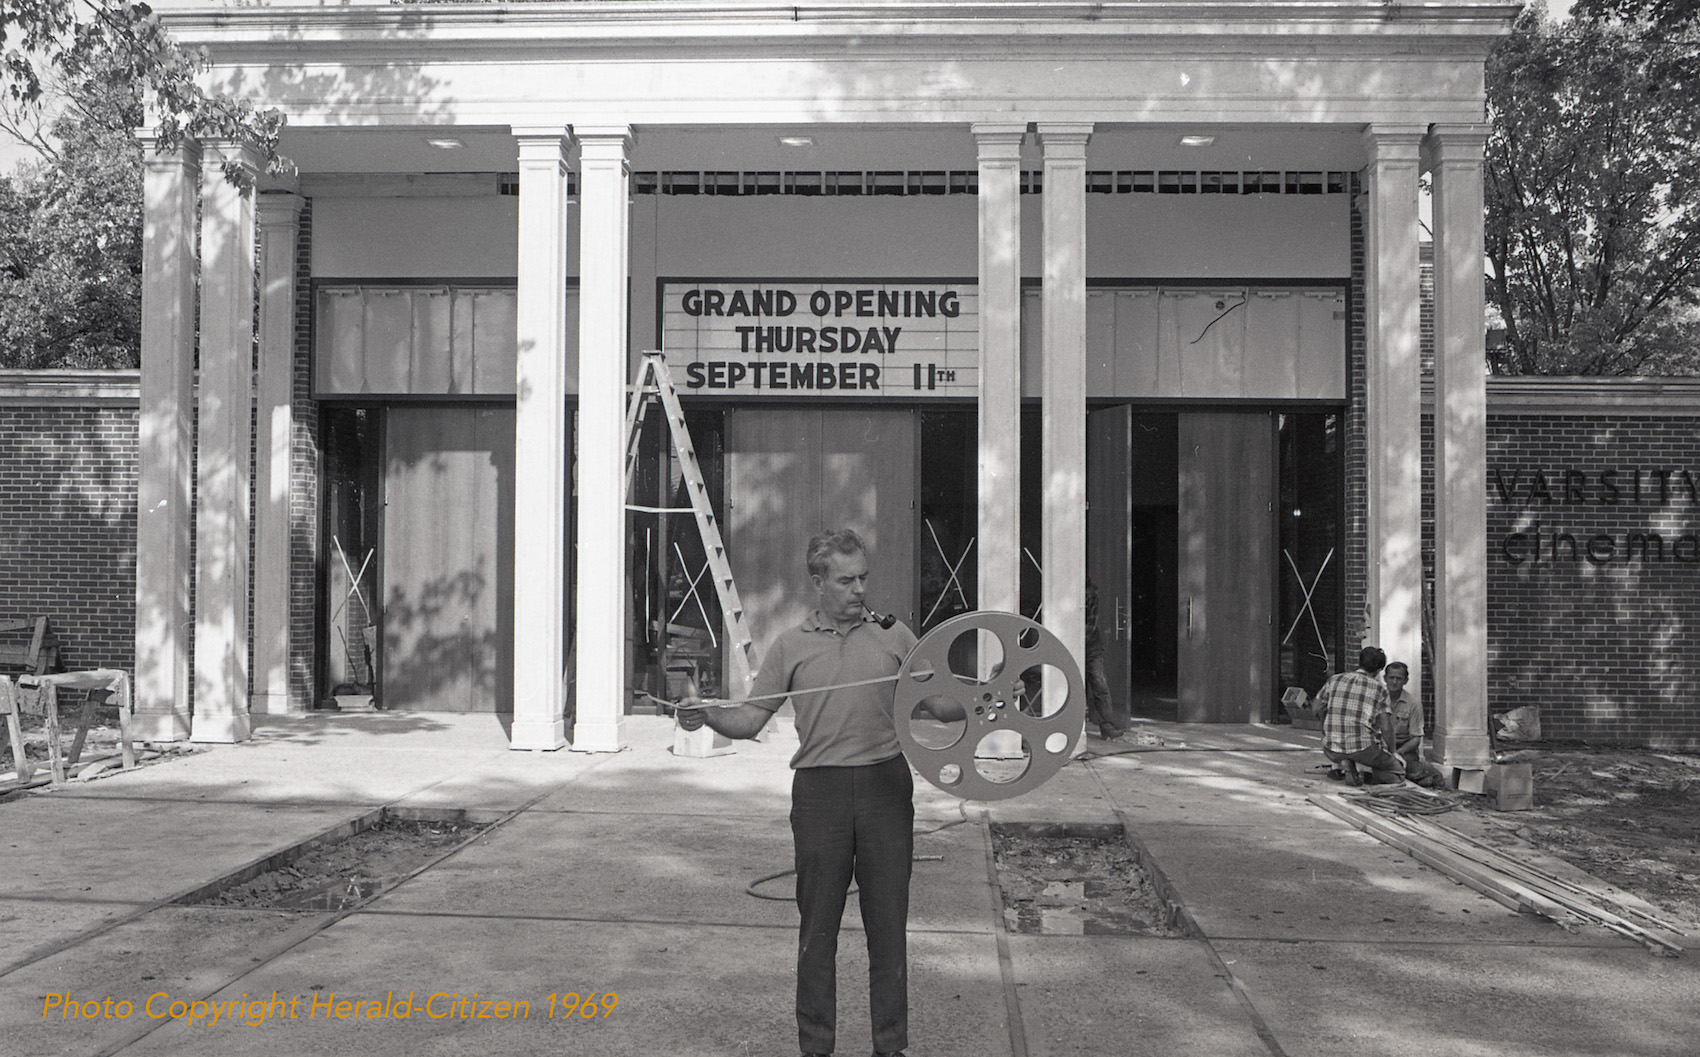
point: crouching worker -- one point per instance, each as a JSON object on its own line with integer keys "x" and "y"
{"x": 852, "y": 797}
{"x": 1405, "y": 716}
{"x": 1349, "y": 703}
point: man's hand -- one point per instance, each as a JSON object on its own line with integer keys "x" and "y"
{"x": 733, "y": 721}
{"x": 690, "y": 714}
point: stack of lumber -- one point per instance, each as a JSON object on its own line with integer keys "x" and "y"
{"x": 1506, "y": 879}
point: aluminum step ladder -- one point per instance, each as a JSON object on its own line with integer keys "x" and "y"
{"x": 653, "y": 384}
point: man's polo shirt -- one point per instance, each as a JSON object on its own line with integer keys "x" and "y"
{"x": 839, "y": 728}
{"x": 1407, "y": 716}
{"x": 1353, "y": 699}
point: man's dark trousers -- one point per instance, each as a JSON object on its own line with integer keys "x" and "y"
{"x": 853, "y": 821}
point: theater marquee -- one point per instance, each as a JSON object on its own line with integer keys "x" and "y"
{"x": 828, "y": 339}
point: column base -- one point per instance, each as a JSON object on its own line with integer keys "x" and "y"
{"x": 223, "y": 729}
{"x": 1463, "y": 752}
{"x": 159, "y": 726}
{"x": 269, "y": 704}
{"x": 599, "y": 735}
{"x": 533, "y": 735}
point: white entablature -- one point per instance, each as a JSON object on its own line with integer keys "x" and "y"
{"x": 688, "y": 62}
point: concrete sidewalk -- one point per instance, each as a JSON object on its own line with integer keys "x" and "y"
{"x": 627, "y": 873}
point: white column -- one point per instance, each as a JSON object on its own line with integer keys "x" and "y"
{"x": 1460, "y": 449}
{"x": 540, "y": 443}
{"x": 165, "y": 436}
{"x": 280, "y": 224}
{"x": 1394, "y": 386}
{"x": 1064, "y": 383}
{"x": 999, "y": 527}
{"x": 603, "y": 374}
{"x": 225, "y": 443}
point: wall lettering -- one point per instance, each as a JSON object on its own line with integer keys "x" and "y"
{"x": 1547, "y": 490}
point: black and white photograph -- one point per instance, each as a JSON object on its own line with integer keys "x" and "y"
{"x": 922, "y": 528}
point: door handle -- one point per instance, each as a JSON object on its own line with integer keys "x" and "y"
{"x": 1189, "y": 616}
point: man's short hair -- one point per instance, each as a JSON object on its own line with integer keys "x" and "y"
{"x": 1371, "y": 659}
{"x": 825, "y": 544}
{"x": 1401, "y": 665}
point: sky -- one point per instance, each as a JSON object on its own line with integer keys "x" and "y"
{"x": 11, "y": 153}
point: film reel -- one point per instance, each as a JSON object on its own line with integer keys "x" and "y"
{"x": 1003, "y": 672}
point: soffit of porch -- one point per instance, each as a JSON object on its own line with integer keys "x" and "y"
{"x": 817, "y": 148}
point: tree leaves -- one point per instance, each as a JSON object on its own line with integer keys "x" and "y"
{"x": 71, "y": 224}
{"x": 1593, "y": 194}
{"x": 121, "y": 43}
{"x": 70, "y": 274}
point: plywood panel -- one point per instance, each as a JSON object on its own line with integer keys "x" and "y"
{"x": 868, "y": 483}
{"x": 1226, "y": 542}
{"x": 1137, "y": 337}
{"x": 1205, "y": 333}
{"x": 1271, "y": 343}
{"x": 791, "y": 473}
{"x": 389, "y": 340}
{"x": 1100, "y": 342}
{"x": 1032, "y": 330}
{"x": 433, "y": 343}
{"x": 339, "y": 345}
{"x": 1322, "y": 336}
{"x": 773, "y": 494}
{"x": 495, "y": 342}
{"x": 448, "y": 560}
{"x": 1109, "y": 536}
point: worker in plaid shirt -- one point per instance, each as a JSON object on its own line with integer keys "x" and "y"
{"x": 1349, "y": 703}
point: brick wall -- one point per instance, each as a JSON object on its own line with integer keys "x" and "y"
{"x": 303, "y": 486}
{"x": 68, "y": 511}
{"x": 1355, "y": 518}
{"x": 1589, "y": 618}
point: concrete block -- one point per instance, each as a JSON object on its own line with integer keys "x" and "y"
{"x": 699, "y": 743}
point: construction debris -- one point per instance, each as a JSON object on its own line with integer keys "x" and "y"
{"x": 1507, "y": 880}
{"x": 1405, "y": 800}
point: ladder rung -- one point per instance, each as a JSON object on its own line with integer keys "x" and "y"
{"x": 660, "y": 509}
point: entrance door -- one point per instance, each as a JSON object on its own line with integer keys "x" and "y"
{"x": 791, "y": 473}
{"x": 448, "y": 559}
{"x": 1226, "y": 566}
{"x": 1109, "y": 536}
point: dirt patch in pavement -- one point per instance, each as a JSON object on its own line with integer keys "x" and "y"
{"x": 1630, "y": 817}
{"x": 337, "y": 875}
{"x": 1058, "y": 883}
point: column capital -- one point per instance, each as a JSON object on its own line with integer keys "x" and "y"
{"x": 542, "y": 135}
{"x": 543, "y": 145}
{"x": 1454, "y": 143}
{"x": 1393, "y": 143}
{"x": 160, "y": 153}
{"x": 1064, "y": 140}
{"x": 241, "y": 154}
{"x": 999, "y": 140}
{"x": 605, "y": 141}
{"x": 277, "y": 209}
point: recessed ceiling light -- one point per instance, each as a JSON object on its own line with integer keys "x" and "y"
{"x": 446, "y": 143}
{"x": 796, "y": 141}
{"x": 1197, "y": 141}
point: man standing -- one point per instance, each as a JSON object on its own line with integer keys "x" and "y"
{"x": 1349, "y": 703}
{"x": 852, "y": 797}
{"x": 1101, "y": 708}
